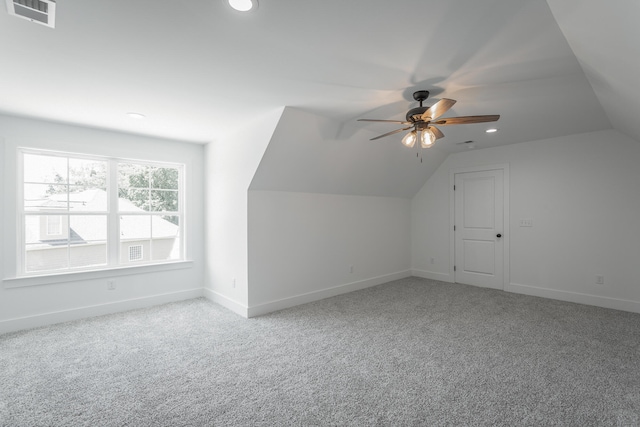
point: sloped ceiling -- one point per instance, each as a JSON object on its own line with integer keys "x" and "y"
{"x": 200, "y": 71}
{"x": 606, "y": 40}
{"x": 308, "y": 153}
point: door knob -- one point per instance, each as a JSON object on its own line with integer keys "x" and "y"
{"x": 498, "y": 235}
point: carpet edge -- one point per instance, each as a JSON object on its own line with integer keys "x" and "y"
{"x": 45, "y": 319}
{"x": 576, "y": 297}
{"x": 292, "y": 301}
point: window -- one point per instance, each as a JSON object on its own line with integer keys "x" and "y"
{"x": 84, "y": 212}
{"x": 148, "y": 210}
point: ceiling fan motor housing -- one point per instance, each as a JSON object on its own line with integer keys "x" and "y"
{"x": 415, "y": 114}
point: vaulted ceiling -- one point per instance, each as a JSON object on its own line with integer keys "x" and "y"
{"x": 201, "y": 72}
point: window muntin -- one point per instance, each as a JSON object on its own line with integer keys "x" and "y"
{"x": 82, "y": 213}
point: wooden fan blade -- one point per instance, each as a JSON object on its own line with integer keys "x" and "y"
{"x": 390, "y": 133}
{"x": 436, "y": 132}
{"x": 438, "y": 109}
{"x": 466, "y": 120}
{"x": 386, "y": 121}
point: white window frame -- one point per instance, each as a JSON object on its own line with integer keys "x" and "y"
{"x": 112, "y": 214}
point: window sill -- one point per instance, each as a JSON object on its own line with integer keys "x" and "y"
{"x": 53, "y": 278}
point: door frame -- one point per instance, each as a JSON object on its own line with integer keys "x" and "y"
{"x": 507, "y": 224}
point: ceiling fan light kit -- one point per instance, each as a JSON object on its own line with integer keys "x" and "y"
{"x": 427, "y": 139}
{"x": 422, "y": 121}
{"x": 409, "y": 139}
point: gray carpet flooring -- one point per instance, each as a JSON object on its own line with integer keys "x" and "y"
{"x": 412, "y": 352}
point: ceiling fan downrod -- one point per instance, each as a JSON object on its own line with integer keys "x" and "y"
{"x": 414, "y": 114}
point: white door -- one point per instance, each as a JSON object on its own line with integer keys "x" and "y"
{"x": 479, "y": 228}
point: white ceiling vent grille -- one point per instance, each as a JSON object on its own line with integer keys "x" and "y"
{"x": 39, "y": 11}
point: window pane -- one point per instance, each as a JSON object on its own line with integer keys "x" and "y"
{"x": 135, "y": 235}
{"x": 49, "y": 230}
{"x": 32, "y": 229}
{"x": 165, "y": 227}
{"x": 84, "y": 229}
{"x": 135, "y": 180}
{"x": 166, "y": 249}
{"x": 41, "y": 257}
{"x": 164, "y": 178}
{"x": 92, "y": 254}
{"x": 49, "y": 169}
{"x": 82, "y": 199}
{"x": 165, "y": 238}
{"x": 38, "y": 197}
{"x": 54, "y": 225}
{"x": 133, "y": 187}
{"x": 134, "y": 200}
{"x": 135, "y": 252}
{"x": 164, "y": 201}
{"x": 135, "y": 227}
{"x": 88, "y": 173}
{"x": 131, "y": 175}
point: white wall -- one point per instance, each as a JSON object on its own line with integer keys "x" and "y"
{"x": 309, "y": 153}
{"x": 230, "y": 166}
{"x": 581, "y": 192}
{"x": 301, "y": 245}
{"x": 85, "y": 294}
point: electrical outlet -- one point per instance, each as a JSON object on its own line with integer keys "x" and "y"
{"x": 111, "y": 285}
{"x": 351, "y": 269}
{"x": 233, "y": 283}
{"x": 599, "y": 280}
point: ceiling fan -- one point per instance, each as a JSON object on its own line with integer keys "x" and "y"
{"x": 422, "y": 121}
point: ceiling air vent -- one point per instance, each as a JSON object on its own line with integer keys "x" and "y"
{"x": 39, "y": 11}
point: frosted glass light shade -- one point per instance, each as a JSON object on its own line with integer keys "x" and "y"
{"x": 409, "y": 139}
{"x": 427, "y": 138}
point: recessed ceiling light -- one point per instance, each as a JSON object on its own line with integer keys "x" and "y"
{"x": 243, "y": 5}
{"x": 137, "y": 116}
{"x": 492, "y": 130}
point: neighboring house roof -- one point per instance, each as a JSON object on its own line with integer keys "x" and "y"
{"x": 87, "y": 228}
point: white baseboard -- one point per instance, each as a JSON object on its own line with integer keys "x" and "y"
{"x": 599, "y": 301}
{"x": 443, "y": 277}
{"x": 232, "y": 305}
{"x": 28, "y": 322}
{"x": 269, "y": 307}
